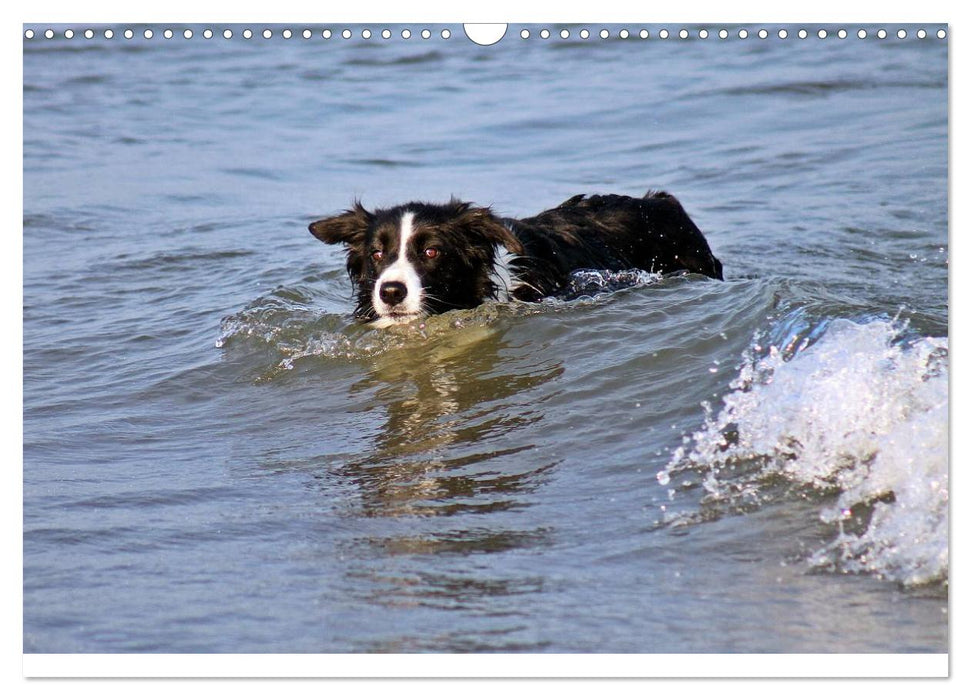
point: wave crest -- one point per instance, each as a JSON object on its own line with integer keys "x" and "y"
{"x": 849, "y": 409}
{"x": 288, "y": 324}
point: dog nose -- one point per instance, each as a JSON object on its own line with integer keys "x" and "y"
{"x": 393, "y": 293}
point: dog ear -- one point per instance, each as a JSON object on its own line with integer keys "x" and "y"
{"x": 348, "y": 228}
{"x": 485, "y": 223}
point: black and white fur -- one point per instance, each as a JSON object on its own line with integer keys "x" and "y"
{"x": 417, "y": 258}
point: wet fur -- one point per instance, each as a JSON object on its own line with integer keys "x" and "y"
{"x": 608, "y": 232}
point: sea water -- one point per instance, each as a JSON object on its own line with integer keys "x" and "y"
{"x": 218, "y": 458}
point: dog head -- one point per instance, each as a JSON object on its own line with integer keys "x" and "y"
{"x": 417, "y": 259}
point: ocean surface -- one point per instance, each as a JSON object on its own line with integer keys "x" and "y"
{"x": 218, "y": 458}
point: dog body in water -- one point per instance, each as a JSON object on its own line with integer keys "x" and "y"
{"x": 418, "y": 258}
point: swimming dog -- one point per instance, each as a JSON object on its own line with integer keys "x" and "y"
{"x": 416, "y": 259}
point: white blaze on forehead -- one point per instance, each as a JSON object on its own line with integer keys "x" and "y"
{"x": 405, "y": 232}
{"x": 401, "y": 270}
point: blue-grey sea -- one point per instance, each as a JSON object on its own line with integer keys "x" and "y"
{"x": 218, "y": 458}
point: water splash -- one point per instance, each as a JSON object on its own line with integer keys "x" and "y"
{"x": 594, "y": 282}
{"x": 862, "y": 414}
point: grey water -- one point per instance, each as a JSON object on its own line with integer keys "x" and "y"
{"x": 218, "y": 458}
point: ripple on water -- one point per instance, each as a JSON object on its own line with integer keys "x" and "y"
{"x": 289, "y": 324}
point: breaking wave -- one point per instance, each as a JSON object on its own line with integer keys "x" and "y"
{"x": 856, "y": 411}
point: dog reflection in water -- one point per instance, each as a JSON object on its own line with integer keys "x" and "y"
{"x": 439, "y": 394}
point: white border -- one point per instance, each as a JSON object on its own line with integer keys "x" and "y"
{"x": 497, "y": 11}
{"x": 411, "y": 666}
{"x": 492, "y": 665}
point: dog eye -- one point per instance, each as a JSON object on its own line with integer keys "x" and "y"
{"x": 377, "y": 255}
{"x": 431, "y": 253}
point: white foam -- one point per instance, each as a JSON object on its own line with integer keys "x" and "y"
{"x": 590, "y": 282}
{"x": 857, "y": 411}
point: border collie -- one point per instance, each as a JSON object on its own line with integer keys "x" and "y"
{"x": 417, "y": 258}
